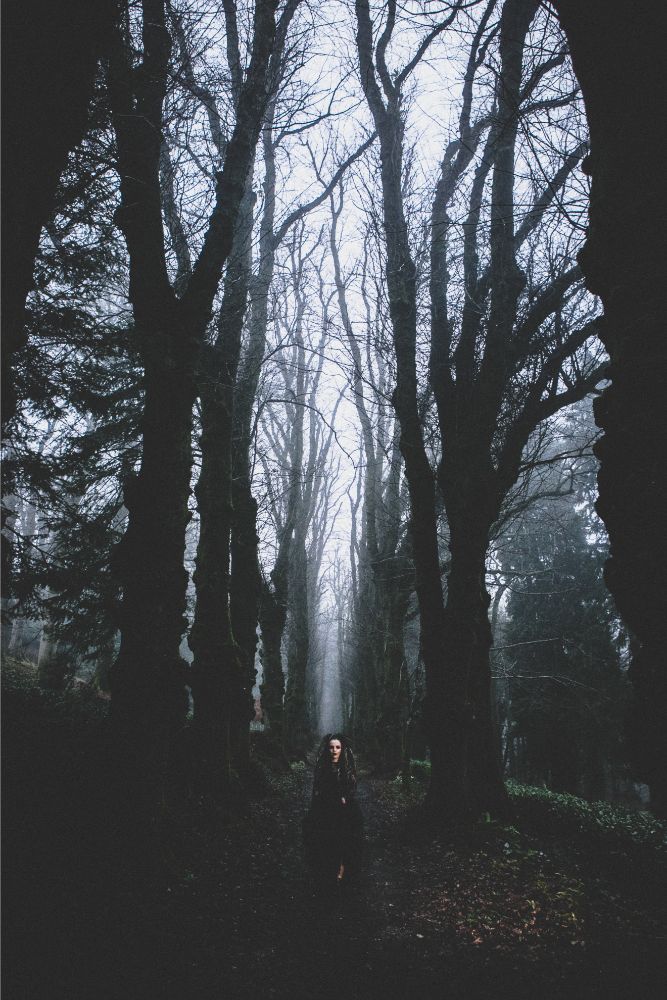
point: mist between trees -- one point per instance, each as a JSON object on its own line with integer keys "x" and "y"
{"x": 303, "y": 422}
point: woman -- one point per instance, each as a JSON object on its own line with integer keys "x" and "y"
{"x": 333, "y": 828}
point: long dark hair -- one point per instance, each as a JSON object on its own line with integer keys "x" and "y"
{"x": 347, "y": 765}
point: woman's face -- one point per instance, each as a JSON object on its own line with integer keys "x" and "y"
{"x": 334, "y": 751}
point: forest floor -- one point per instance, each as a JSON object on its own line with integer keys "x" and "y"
{"x": 236, "y": 915}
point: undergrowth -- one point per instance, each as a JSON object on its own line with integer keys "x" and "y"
{"x": 543, "y": 811}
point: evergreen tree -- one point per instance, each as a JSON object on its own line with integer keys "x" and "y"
{"x": 564, "y": 682}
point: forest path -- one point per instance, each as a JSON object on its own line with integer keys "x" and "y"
{"x": 499, "y": 918}
{"x": 270, "y": 931}
{"x": 508, "y": 914}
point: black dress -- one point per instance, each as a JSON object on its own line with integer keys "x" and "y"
{"x": 333, "y": 828}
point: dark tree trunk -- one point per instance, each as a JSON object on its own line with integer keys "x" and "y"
{"x": 53, "y": 664}
{"x": 468, "y": 641}
{"x": 483, "y": 421}
{"x": 272, "y": 618}
{"x": 393, "y": 687}
{"x": 148, "y": 679}
{"x": 624, "y": 262}
{"x": 228, "y": 518}
{"x": 472, "y": 502}
{"x": 445, "y": 695}
{"x": 297, "y": 723}
{"x": 365, "y": 668}
{"x": 245, "y": 593}
{"x": 215, "y": 656}
{"x": 217, "y": 673}
{"x": 248, "y": 598}
{"x": 245, "y": 584}
{"x": 244, "y": 606}
{"x": 233, "y": 591}
{"x": 246, "y": 581}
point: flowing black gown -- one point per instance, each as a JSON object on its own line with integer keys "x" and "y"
{"x": 333, "y": 827}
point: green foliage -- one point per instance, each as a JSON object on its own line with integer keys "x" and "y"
{"x": 561, "y": 686}
{"x": 564, "y": 813}
{"x": 79, "y": 396}
{"x": 547, "y": 811}
{"x": 70, "y": 452}
{"x": 420, "y": 769}
{"x": 29, "y": 712}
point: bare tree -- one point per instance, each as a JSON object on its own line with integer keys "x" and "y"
{"x": 384, "y": 568}
{"x": 149, "y": 698}
{"x": 301, "y": 442}
{"x": 251, "y": 596}
{"x": 222, "y": 677}
{"x": 510, "y": 362}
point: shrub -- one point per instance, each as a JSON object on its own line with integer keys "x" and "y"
{"x": 420, "y": 769}
{"x": 547, "y": 811}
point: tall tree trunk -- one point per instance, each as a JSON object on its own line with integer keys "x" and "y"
{"x": 468, "y": 642}
{"x": 217, "y": 671}
{"x": 247, "y": 594}
{"x": 297, "y": 724}
{"x": 228, "y": 609}
{"x": 393, "y": 687}
{"x": 244, "y": 609}
{"x": 215, "y": 656}
{"x": 468, "y": 410}
{"x": 624, "y": 262}
{"x": 272, "y": 618}
{"x": 245, "y": 580}
{"x": 148, "y": 679}
{"x": 445, "y": 694}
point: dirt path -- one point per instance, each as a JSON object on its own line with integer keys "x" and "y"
{"x": 508, "y": 915}
{"x": 270, "y": 931}
{"x": 427, "y": 921}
